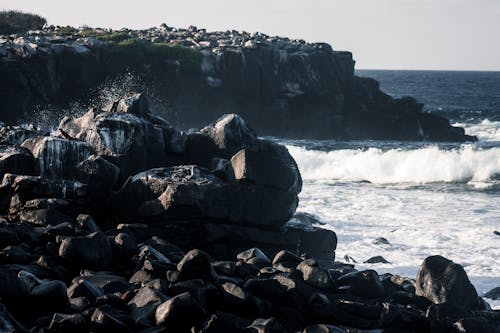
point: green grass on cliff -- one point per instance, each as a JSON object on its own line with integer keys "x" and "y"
{"x": 137, "y": 52}
{"x": 13, "y": 22}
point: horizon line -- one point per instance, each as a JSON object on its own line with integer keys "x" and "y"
{"x": 429, "y": 70}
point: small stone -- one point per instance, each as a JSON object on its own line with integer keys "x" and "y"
{"x": 377, "y": 260}
{"x": 493, "y": 294}
{"x": 381, "y": 241}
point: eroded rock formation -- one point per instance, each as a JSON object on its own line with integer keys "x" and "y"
{"x": 191, "y": 234}
{"x": 284, "y": 87}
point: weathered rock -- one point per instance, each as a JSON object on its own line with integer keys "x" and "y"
{"x": 126, "y": 135}
{"x": 364, "y": 284}
{"x": 193, "y": 192}
{"x": 100, "y": 176}
{"x": 231, "y": 134}
{"x": 82, "y": 288}
{"x": 236, "y": 300}
{"x": 105, "y": 319}
{"x": 315, "y": 275}
{"x": 476, "y": 325}
{"x": 224, "y": 322}
{"x": 180, "y": 313}
{"x": 255, "y": 257}
{"x": 286, "y": 256}
{"x": 493, "y": 294}
{"x": 16, "y": 160}
{"x": 144, "y": 305}
{"x": 57, "y": 158}
{"x": 106, "y": 281}
{"x": 32, "y": 186}
{"x": 124, "y": 245}
{"x": 442, "y": 281}
{"x": 270, "y": 325}
{"x": 44, "y": 217}
{"x": 61, "y": 323}
{"x": 377, "y": 260}
{"x": 196, "y": 264}
{"x": 50, "y": 293}
{"x": 264, "y": 170}
{"x": 133, "y": 103}
{"x": 93, "y": 250}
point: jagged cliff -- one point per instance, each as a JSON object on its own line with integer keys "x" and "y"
{"x": 282, "y": 87}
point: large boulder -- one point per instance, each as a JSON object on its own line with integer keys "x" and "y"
{"x": 16, "y": 160}
{"x": 100, "y": 176}
{"x": 92, "y": 251}
{"x": 442, "y": 281}
{"x": 190, "y": 191}
{"x": 126, "y": 134}
{"x": 38, "y": 187}
{"x": 57, "y": 158}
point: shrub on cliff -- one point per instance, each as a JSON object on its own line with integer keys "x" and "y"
{"x": 136, "y": 52}
{"x": 12, "y": 22}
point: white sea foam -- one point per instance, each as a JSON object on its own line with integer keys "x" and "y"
{"x": 418, "y": 221}
{"x": 486, "y": 130}
{"x": 417, "y": 166}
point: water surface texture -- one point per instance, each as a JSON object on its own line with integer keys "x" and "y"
{"x": 424, "y": 198}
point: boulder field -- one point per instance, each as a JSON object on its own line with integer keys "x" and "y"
{"x": 118, "y": 222}
{"x": 283, "y": 87}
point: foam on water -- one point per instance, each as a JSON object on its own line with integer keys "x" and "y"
{"x": 418, "y": 220}
{"x": 417, "y": 166}
{"x": 486, "y": 130}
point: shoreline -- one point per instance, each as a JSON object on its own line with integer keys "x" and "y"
{"x": 190, "y": 230}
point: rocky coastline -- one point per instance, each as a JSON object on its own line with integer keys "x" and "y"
{"x": 119, "y": 222}
{"x": 284, "y": 87}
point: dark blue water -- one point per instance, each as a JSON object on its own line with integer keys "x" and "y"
{"x": 459, "y": 96}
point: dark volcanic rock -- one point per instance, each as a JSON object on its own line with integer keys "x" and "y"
{"x": 365, "y": 284}
{"x": 493, "y": 294}
{"x": 283, "y": 87}
{"x": 180, "y": 313}
{"x": 126, "y": 135}
{"x": 442, "y": 281}
{"x": 61, "y": 323}
{"x": 57, "y": 158}
{"x": 93, "y": 250}
{"x": 193, "y": 192}
{"x": 196, "y": 264}
{"x": 231, "y": 134}
{"x": 16, "y": 160}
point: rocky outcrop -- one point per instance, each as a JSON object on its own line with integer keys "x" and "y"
{"x": 284, "y": 87}
{"x": 190, "y": 247}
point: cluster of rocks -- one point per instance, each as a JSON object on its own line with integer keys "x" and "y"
{"x": 96, "y": 219}
{"x": 73, "y": 277}
{"x": 285, "y": 87}
{"x": 27, "y": 45}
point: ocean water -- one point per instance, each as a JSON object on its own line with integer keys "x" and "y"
{"x": 424, "y": 198}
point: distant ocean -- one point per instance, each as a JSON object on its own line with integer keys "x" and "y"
{"x": 425, "y": 198}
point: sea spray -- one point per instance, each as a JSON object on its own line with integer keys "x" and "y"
{"x": 46, "y": 117}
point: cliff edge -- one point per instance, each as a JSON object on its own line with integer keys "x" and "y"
{"x": 283, "y": 87}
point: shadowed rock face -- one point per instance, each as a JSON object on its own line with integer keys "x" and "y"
{"x": 187, "y": 246}
{"x": 284, "y": 87}
{"x": 135, "y": 165}
{"x": 444, "y": 282}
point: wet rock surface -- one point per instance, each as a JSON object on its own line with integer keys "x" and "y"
{"x": 89, "y": 246}
{"x": 284, "y": 87}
